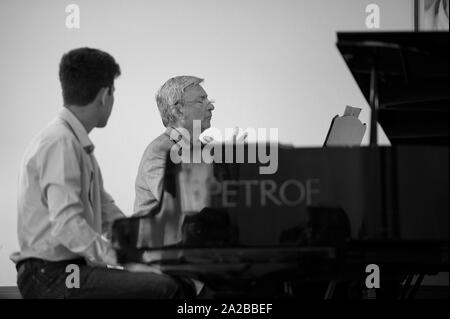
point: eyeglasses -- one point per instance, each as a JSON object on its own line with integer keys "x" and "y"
{"x": 205, "y": 101}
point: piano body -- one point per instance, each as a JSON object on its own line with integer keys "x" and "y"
{"x": 327, "y": 213}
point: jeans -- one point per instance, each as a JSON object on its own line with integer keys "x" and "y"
{"x": 37, "y": 278}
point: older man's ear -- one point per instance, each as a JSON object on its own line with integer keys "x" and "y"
{"x": 176, "y": 112}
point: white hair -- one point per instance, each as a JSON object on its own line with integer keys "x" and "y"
{"x": 171, "y": 93}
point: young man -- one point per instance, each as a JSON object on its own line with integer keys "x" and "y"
{"x": 64, "y": 213}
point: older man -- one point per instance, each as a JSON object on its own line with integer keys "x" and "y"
{"x": 181, "y": 101}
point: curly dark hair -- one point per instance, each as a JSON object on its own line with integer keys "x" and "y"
{"x": 83, "y": 72}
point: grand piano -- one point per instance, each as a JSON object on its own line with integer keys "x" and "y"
{"x": 311, "y": 228}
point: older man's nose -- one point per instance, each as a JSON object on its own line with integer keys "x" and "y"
{"x": 210, "y": 106}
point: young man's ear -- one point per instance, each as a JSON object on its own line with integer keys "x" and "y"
{"x": 101, "y": 96}
{"x": 104, "y": 93}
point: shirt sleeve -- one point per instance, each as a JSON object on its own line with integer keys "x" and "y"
{"x": 154, "y": 169}
{"x": 60, "y": 179}
{"x": 110, "y": 211}
{"x": 150, "y": 178}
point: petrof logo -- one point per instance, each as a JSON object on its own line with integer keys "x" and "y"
{"x": 261, "y": 193}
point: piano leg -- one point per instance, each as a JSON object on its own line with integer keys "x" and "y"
{"x": 404, "y": 290}
{"x": 288, "y": 291}
{"x": 330, "y": 290}
{"x": 411, "y": 291}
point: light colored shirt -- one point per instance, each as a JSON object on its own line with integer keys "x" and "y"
{"x": 150, "y": 177}
{"x": 163, "y": 227}
{"x": 63, "y": 210}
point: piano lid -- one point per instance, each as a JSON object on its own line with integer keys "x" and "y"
{"x": 412, "y": 81}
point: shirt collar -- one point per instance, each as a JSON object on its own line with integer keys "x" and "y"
{"x": 77, "y": 128}
{"x": 169, "y": 130}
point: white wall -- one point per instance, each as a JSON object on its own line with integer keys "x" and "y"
{"x": 267, "y": 63}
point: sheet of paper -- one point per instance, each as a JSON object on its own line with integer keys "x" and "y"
{"x": 346, "y": 130}
{"x": 352, "y": 111}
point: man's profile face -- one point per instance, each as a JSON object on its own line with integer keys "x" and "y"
{"x": 196, "y": 106}
{"x": 107, "y": 108}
